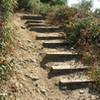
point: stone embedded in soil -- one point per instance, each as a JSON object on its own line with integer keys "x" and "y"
{"x": 43, "y": 90}
{"x": 81, "y": 92}
{"x": 98, "y": 97}
{"x": 22, "y": 27}
{"x": 32, "y": 77}
{"x": 93, "y": 97}
{"x": 64, "y": 88}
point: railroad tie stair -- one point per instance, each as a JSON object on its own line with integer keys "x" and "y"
{"x": 60, "y": 63}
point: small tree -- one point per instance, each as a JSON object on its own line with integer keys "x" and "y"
{"x": 85, "y": 5}
{"x": 6, "y": 8}
{"x": 97, "y": 13}
{"x": 55, "y": 2}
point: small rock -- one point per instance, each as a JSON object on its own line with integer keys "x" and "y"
{"x": 34, "y": 60}
{"x": 98, "y": 97}
{"x": 72, "y": 48}
{"x": 36, "y": 85}
{"x": 81, "y": 92}
{"x": 43, "y": 91}
{"x": 22, "y": 27}
{"x": 93, "y": 98}
{"x": 31, "y": 76}
{"x": 64, "y": 88}
{"x": 29, "y": 41}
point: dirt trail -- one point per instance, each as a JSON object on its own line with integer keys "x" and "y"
{"x": 30, "y": 81}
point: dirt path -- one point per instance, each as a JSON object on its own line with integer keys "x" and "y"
{"x": 30, "y": 81}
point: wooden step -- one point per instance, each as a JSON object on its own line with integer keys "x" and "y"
{"x": 68, "y": 67}
{"x": 77, "y": 81}
{"x": 34, "y": 21}
{"x": 50, "y": 36}
{"x": 61, "y": 53}
{"x": 72, "y": 84}
{"x": 59, "y": 57}
{"x": 53, "y": 43}
{"x": 36, "y": 24}
{"x": 34, "y": 17}
{"x": 45, "y": 29}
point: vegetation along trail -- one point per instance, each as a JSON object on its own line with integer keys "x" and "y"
{"x": 47, "y": 54}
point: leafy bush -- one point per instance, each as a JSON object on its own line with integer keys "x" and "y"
{"x": 55, "y": 2}
{"x": 38, "y": 7}
{"x": 61, "y": 15}
{"x": 85, "y": 5}
{"x": 97, "y": 13}
{"x": 6, "y": 8}
{"x": 5, "y": 70}
{"x": 58, "y": 2}
{"x": 5, "y": 36}
{"x": 95, "y": 75}
{"x": 23, "y": 4}
{"x": 34, "y": 6}
{"x": 82, "y": 31}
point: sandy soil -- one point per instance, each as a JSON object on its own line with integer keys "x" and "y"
{"x": 30, "y": 81}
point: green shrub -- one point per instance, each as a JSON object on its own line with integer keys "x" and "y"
{"x": 58, "y": 2}
{"x": 34, "y": 6}
{"x": 97, "y": 13}
{"x": 80, "y": 30}
{"x": 6, "y": 70}
{"x": 61, "y": 15}
{"x": 88, "y": 59}
{"x": 95, "y": 75}
{"x": 37, "y": 7}
{"x": 6, "y": 8}
{"x": 23, "y": 4}
{"x": 85, "y": 5}
{"x": 5, "y": 37}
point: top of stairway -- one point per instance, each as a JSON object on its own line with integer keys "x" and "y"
{"x": 32, "y": 17}
{"x": 34, "y": 21}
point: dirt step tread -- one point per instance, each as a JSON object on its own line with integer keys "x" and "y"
{"x": 46, "y": 33}
{"x": 61, "y": 53}
{"x": 36, "y": 17}
{"x": 68, "y": 67}
{"x": 31, "y": 15}
{"x": 52, "y": 41}
{"x": 66, "y": 81}
{"x": 50, "y": 35}
{"x": 37, "y": 24}
{"x": 45, "y": 27}
{"x": 34, "y": 21}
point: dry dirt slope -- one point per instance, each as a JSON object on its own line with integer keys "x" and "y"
{"x": 30, "y": 81}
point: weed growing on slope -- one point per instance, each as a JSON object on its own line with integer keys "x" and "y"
{"x": 6, "y": 10}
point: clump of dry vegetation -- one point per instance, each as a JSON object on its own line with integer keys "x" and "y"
{"x": 82, "y": 31}
{"x": 6, "y": 10}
